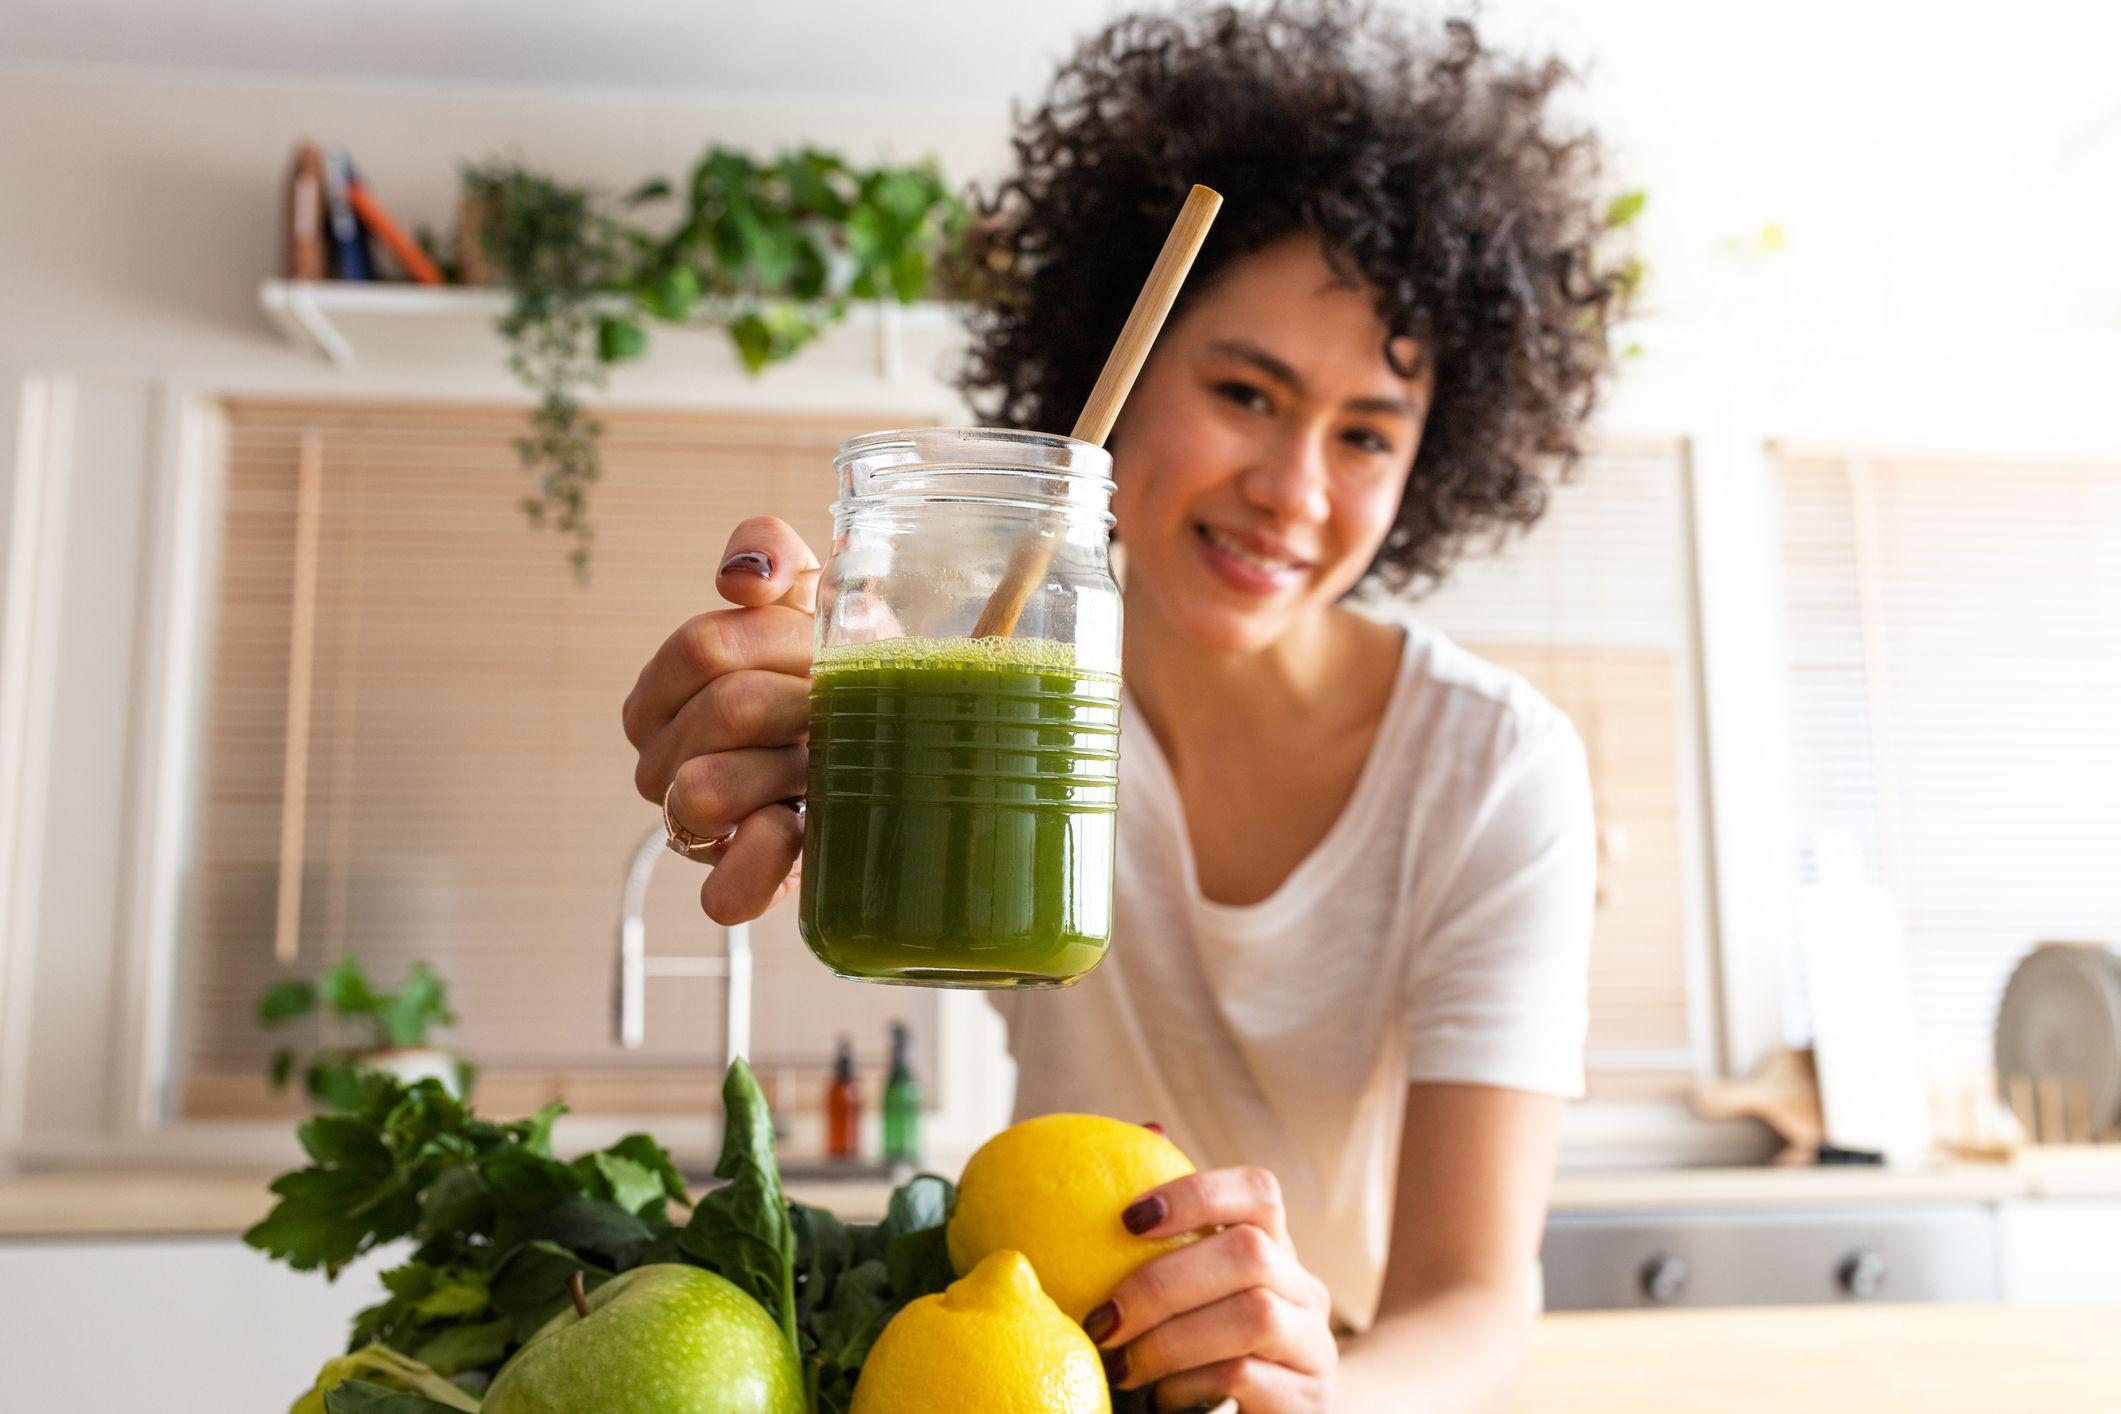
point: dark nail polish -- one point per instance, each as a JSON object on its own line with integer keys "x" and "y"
{"x": 1152, "y": 1126}
{"x": 756, "y": 562}
{"x": 1145, "y": 1214}
{"x": 1099, "y": 1323}
{"x": 1115, "y": 1365}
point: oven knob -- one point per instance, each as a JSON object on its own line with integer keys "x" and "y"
{"x": 1664, "y": 1278}
{"x": 1862, "y": 1273}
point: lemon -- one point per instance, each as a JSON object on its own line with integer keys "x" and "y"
{"x": 1053, "y": 1188}
{"x": 992, "y": 1343}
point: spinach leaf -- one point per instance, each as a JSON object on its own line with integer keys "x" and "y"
{"x": 602, "y": 1230}
{"x": 742, "y": 1229}
{"x": 844, "y": 1330}
{"x": 822, "y": 1251}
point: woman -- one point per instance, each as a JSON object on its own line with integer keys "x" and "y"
{"x": 1355, "y": 882}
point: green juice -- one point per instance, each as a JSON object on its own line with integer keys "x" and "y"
{"x": 961, "y": 812}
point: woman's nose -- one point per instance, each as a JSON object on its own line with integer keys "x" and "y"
{"x": 1289, "y": 480}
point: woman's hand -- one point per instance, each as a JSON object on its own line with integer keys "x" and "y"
{"x": 1232, "y": 1315}
{"x": 723, "y": 710}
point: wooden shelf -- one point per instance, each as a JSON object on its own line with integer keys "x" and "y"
{"x": 348, "y": 323}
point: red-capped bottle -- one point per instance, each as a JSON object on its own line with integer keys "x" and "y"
{"x": 843, "y": 1106}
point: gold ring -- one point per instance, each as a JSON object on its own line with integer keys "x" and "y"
{"x": 681, "y": 840}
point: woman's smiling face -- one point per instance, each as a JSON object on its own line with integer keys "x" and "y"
{"x": 1262, "y": 454}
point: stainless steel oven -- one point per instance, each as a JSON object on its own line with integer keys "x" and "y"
{"x": 1766, "y": 1257}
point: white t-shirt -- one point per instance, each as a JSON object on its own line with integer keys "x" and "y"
{"x": 1440, "y": 931}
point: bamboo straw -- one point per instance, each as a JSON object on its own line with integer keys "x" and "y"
{"x": 1027, "y": 563}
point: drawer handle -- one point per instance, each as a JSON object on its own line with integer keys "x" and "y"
{"x": 1862, "y": 1273}
{"x": 1664, "y": 1278}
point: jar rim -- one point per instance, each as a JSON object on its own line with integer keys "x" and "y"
{"x": 945, "y": 448}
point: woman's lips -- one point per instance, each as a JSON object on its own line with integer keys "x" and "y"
{"x": 1242, "y": 569}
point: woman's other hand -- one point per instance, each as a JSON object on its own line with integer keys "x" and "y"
{"x": 1232, "y": 1315}
{"x": 723, "y": 710}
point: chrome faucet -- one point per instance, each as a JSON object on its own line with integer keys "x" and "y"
{"x": 636, "y": 966}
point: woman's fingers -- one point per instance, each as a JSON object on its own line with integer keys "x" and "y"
{"x": 748, "y": 707}
{"x": 1199, "y": 1274}
{"x": 1257, "y": 1323}
{"x": 766, "y": 562}
{"x": 713, "y": 795}
{"x": 774, "y": 638}
{"x": 755, "y": 870}
{"x": 1215, "y": 1198}
{"x": 1254, "y": 1383}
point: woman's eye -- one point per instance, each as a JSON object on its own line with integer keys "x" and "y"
{"x": 1244, "y": 395}
{"x": 1363, "y": 439}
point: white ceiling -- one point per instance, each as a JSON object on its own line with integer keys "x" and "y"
{"x": 2033, "y": 72}
{"x": 945, "y": 50}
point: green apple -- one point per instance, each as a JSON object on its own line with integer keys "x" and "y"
{"x": 660, "y": 1339}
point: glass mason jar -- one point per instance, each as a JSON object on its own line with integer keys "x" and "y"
{"x": 963, "y": 790}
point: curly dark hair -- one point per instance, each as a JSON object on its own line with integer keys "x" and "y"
{"x": 1426, "y": 163}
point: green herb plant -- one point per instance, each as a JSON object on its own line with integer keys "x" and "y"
{"x": 497, "y": 1224}
{"x": 772, "y": 250}
{"x": 392, "y": 1020}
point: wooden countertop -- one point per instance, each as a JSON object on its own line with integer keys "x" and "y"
{"x": 196, "y": 1202}
{"x": 1937, "y": 1359}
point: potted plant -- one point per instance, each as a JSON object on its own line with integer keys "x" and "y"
{"x": 392, "y": 1026}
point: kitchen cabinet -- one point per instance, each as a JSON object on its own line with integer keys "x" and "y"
{"x": 181, "y": 1325}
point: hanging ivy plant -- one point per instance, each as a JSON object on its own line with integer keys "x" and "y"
{"x": 772, "y": 251}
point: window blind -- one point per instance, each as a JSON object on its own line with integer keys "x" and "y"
{"x": 469, "y": 796}
{"x": 1590, "y": 607}
{"x": 1954, "y": 687}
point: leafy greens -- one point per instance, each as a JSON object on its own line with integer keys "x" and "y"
{"x": 498, "y": 1224}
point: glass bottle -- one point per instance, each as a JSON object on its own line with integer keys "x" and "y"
{"x": 961, "y": 799}
{"x": 843, "y": 1106}
{"x": 902, "y": 1102}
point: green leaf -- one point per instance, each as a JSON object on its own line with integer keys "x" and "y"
{"x": 421, "y": 1001}
{"x": 1625, "y": 207}
{"x": 922, "y": 1201}
{"x": 536, "y": 1132}
{"x": 361, "y": 1397}
{"x": 910, "y": 273}
{"x": 344, "y": 988}
{"x": 282, "y": 1068}
{"x": 635, "y": 1173}
{"x": 654, "y": 189}
{"x": 822, "y": 1252}
{"x": 283, "y": 1001}
{"x": 672, "y": 294}
{"x": 620, "y": 339}
{"x": 593, "y": 1226}
{"x": 459, "y": 1297}
{"x": 617, "y": 1179}
{"x": 466, "y": 1347}
{"x": 919, "y": 1263}
{"x": 754, "y": 341}
{"x": 742, "y": 1229}
{"x": 530, "y": 1284}
{"x": 843, "y": 1332}
{"x": 345, "y": 1142}
{"x": 336, "y": 1081}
